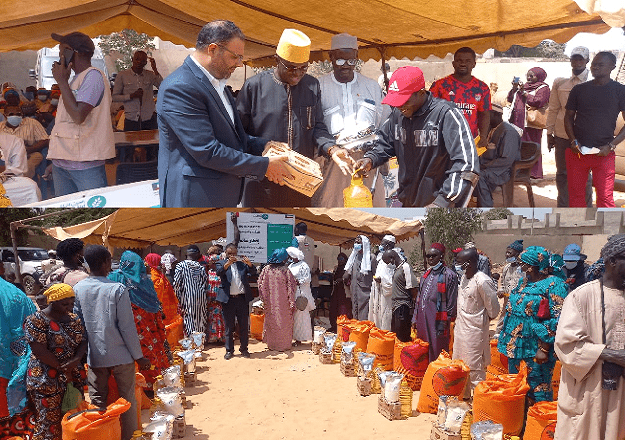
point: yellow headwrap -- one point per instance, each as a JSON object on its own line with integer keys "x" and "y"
{"x": 59, "y": 291}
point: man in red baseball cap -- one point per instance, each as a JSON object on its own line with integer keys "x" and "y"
{"x": 432, "y": 141}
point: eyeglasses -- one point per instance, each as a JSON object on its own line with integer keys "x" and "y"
{"x": 350, "y": 62}
{"x": 293, "y": 69}
{"x": 237, "y": 56}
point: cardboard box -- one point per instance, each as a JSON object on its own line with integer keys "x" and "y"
{"x": 439, "y": 434}
{"x": 306, "y": 171}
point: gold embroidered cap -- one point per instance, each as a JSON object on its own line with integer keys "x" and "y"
{"x": 294, "y": 46}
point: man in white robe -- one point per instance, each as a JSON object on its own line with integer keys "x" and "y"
{"x": 19, "y": 189}
{"x": 477, "y": 306}
{"x": 381, "y": 301}
{"x": 302, "y": 324}
{"x": 348, "y": 99}
{"x": 585, "y": 409}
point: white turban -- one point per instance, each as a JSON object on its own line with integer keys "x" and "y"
{"x": 295, "y": 253}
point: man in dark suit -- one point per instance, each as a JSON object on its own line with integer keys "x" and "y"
{"x": 204, "y": 153}
{"x": 235, "y": 296}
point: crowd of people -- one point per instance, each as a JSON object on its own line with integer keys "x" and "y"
{"x": 92, "y": 322}
{"x": 451, "y": 141}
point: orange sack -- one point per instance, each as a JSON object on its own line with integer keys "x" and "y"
{"x": 502, "y": 400}
{"x": 256, "y": 326}
{"x": 174, "y": 331}
{"x": 443, "y": 377}
{"x": 140, "y": 383}
{"x": 382, "y": 344}
{"x": 541, "y": 421}
{"x": 411, "y": 360}
{"x": 497, "y": 360}
{"x": 342, "y": 330}
{"x": 359, "y": 333}
{"x": 93, "y": 425}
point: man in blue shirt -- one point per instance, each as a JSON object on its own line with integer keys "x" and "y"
{"x": 104, "y": 307}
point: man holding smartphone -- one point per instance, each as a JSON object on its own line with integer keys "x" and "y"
{"x": 82, "y": 137}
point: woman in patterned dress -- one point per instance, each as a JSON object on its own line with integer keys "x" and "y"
{"x": 215, "y": 326}
{"x": 528, "y": 329}
{"x": 277, "y": 288}
{"x": 147, "y": 311}
{"x": 58, "y": 343}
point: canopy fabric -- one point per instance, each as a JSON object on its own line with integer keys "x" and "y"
{"x": 611, "y": 11}
{"x": 397, "y": 28}
{"x": 140, "y": 228}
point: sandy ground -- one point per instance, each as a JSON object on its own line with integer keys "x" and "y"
{"x": 288, "y": 395}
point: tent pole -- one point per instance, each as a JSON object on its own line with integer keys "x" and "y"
{"x": 18, "y": 273}
{"x": 382, "y": 51}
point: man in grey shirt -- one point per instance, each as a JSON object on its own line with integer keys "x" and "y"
{"x": 104, "y": 307}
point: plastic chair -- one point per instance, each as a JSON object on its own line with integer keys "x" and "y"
{"x": 521, "y": 169}
{"x": 129, "y": 172}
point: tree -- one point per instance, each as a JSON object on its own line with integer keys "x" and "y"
{"x": 497, "y": 214}
{"x": 545, "y": 49}
{"x": 452, "y": 227}
{"x": 11, "y": 215}
{"x": 124, "y": 44}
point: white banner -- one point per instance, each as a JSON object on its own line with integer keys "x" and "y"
{"x": 260, "y": 233}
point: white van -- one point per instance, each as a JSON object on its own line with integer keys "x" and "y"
{"x": 42, "y": 72}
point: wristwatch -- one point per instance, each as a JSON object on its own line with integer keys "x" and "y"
{"x": 575, "y": 142}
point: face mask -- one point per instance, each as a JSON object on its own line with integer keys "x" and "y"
{"x": 85, "y": 265}
{"x": 358, "y": 247}
{"x": 437, "y": 265}
{"x": 29, "y": 95}
{"x": 14, "y": 120}
{"x": 42, "y": 97}
{"x": 570, "y": 264}
{"x": 54, "y": 102}
{"x": 511, "y": 259}
{"x": 458, "y": 268}
{"x": 391, "y": 266}
{"x": 381, "y": 248}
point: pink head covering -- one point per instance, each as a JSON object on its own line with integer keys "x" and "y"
{"x": 540, "y": 73}
{"x": 153, "y": 260}
{"x": 438, "y": 246}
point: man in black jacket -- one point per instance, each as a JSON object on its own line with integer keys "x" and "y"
{"x": 432, "y": 141}
{"x": 235, "y": 296}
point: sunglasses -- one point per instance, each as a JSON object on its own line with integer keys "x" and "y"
{"x": 293, "y": 69}
{"x": 350, "y": 62}
{"x": 431, "y": 255}
{"x": 237, "y": 56}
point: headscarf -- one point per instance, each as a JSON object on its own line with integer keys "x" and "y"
{"x": 214, "y": 258}
{"x": 153, "y": 260}
{"x": 614, "y": 247}
{"x": 536, "y": 256}
{"x": 132, "y": 274}
{"x": 541, "y": 75}
{"x": 295, "y": 253}
{"x": 168, "y": 260}
{"x": 365, "y": 265}
{"x": 517, "y": 245}
{"x": 58, "y": 291}
{"x": 390, "y": 238}
{"x": 556, "y": 263}
{"x": 278, "y": 256}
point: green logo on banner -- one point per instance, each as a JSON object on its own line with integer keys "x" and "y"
{"x": 96, "y": 202}
{"x": 265, "y": 216}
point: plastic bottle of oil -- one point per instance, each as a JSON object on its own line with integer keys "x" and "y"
{"x": 157, "y": 405}
{"x": 357, "y": 195}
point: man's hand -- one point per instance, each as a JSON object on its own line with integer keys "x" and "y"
{"x": 483, "y": 142}
{"x": 575, "y": 147}
{"x": 541, "y": 357}
{"x": 153, "y": 64}
{"x": 60, "y": 72}
{"x": 551, "y": 141}
{"x": 234, "y": 218}
{"x": 604, "y": 150}
{"x": 363, "y": 166}
{"x": 144, "y": 363}
{"x": 341, "y": 157}
{"x": 137, "y": 94}
{"x": 247, "y": 261}
{"x": 277, "y": 171}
